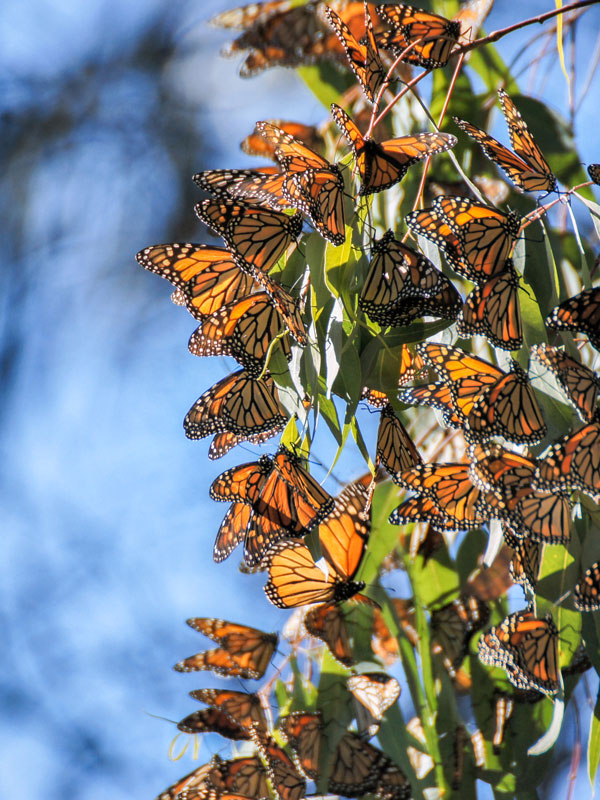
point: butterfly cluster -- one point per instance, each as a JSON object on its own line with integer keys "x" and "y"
{"x": 265, "y": 297}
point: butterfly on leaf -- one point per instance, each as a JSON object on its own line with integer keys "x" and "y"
{"x": 278, "y": 488}
{"x": 452, "y": 627}
{"x": 525, "y": 563}
{"x": 572, "y": 463}
{"x": 243, "y": 651}
{"x": 312, "y": 185}
{"x": 287, "y": 783}
{"x": 382, "y": 164}
{"x": 294, "y": 577}
{"x": 492, "y": 310}
{"x": 432, "y": 36}
{"x": 364, "y": 58}
{"x": 395, "y": 450}
{"x": 206, "y": 278}
{"x": 476, "y": 239}
{"x": 544, "y": 517}
{"x": 488, "y": 401}
{"x": 527, "y": 649}
{"x": 328, "y": 623}
{"x": 446, "y": 497}
{"x": 240, "y": 404}
{"x": 256, "y": 236}
{"x": 244, "y": 708}
{"x": 579, "y": 313}
{"x": 243, "y": 329}
{"x": 580, "y": 383}
{"x": 402, "y": 285}
{"x": 245, "y": 777}
{"x": 376, "y": 692}
{"x": 526, "y": 166}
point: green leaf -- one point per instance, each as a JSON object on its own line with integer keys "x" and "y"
{"x": 327, "y": 83}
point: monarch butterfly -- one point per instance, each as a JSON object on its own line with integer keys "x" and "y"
{"x": 543, "y": 516}
{"x": 251, "y": 14}
{"x": 256, "y": 145}
{"x": 243, "y": 329}
{"x": 579, "y": 313}
{"x": 450, "y": 491}
{"x": 328, "y": 623}
{"x": 586, "y": 595}
{"x": 382, "y": 164}
{"x": 453, "y": 625}
{"x": 313, "y": 185}
{"x": 489, "y": 401}
{"x": 579, "y": 383}
{"x": 402, "y": 284}
{"x": 395, "y": 449}
{"x": 493, "y": 311}
{"x": 211, "y": 720}
{"x": 278, "y": 488}
{"x": 476, "y": 239}
{"x": 359, "y": 768}
{"x": 241, "y": 776}
{"x": 240, "y": 404}
{"x": 261, "y": 185}
{"x": 302, "y": 730}
{"x": 384, "y": 644}
{"x": 243, "y": 708}
{"x": 376, "y": 692}
{"x": 223, "y": 442}
{"x": 572, "y": 462}
{"x": 526, "y": 648}
{"x": 594, "y": 172}
{"x": 256, "y": 236}
{"x": 243, "y": 651}
{"x": 436, "y": 395}
{"x": 286, "y": 781}
{"x": 526, "y": 167}
{"x": 524, "y": 567}
{"x": 295, "y": 579}
{"x": 193, "y": 780}
{"x": 431, "y": 35}
{"x": 503, "y": 709}
{"x": 363, "y": 58}
{"x": 207, "y": 278}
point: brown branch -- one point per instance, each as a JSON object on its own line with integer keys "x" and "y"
{"x": 493, "y": 37}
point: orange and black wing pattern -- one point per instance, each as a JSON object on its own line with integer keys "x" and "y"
{"x": 383, "y": 164}
{"x": 328, "y": 623}
{"x": 207, "y": 277}
{"x": 580, "y": 384}
{"x": 239, "y": 404}
{"x": 579, "y": 313}
{"x": 243, "y": 329}
{"x": 402, "y": 285}
{"x": 243, "y": 708}
{"x": 572, "y": 463}
{"x": 312, "y": 185}
{"x": 363, "y": 58}
{"x": 395, "y": 450}
{"x": 261, "y": 185}
{"x": 586, "y": 594}
{"x": 256, "y": 145}
{"x": 243, "y": 651}
{"x": 432, "y": 37}
{"x": 493, "y": 311}
{"x": 527, "y": 649}
{"x": 526, "y": 166}
{"x": 256, "y": 236}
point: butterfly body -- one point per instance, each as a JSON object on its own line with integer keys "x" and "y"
{"x": 432, "y": 36}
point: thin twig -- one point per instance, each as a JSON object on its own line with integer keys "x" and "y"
{"x": 493, "y": 37}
